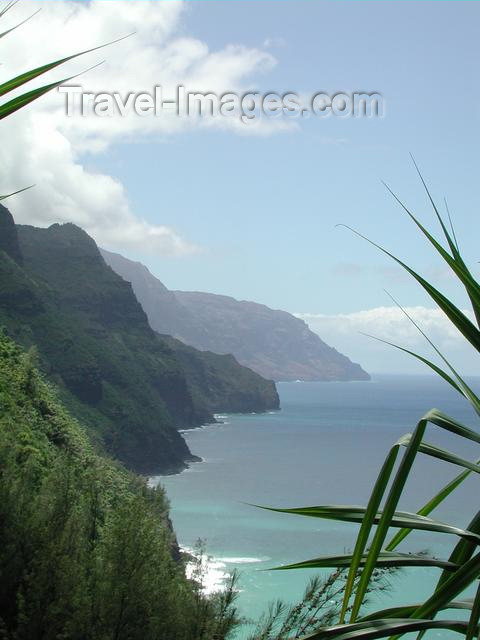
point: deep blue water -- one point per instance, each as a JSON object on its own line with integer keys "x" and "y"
{"x": 325, "y": 446}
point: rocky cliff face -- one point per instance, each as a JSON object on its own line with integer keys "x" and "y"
{"x": 94, "y": 341}
{"x": 8, "y": 235}
{"x": 218, "y": 381}
{"x": 275, "y": 344}
{"x": 165, "y": 313}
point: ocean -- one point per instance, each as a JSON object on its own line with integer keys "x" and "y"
{"x": 325, "y": 446}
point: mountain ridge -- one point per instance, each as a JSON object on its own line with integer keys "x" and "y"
{"x": 274, "y": 343}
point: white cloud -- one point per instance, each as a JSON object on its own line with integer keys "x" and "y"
{"x": 390, "y": 323}
{"x": 343, "y": 331}
{"x": 41, "y": 145}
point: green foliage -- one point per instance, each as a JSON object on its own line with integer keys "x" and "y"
{"x": 86, "y": 548}
{"x": 217, "y": 616}
{"x": 372, "y": 549}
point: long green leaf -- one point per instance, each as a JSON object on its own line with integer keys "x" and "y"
{"x": 453, "y": 245}
{"x": 7, "y": 7}
{"x": 474, "y": 617}
{"x": 462, "y": 553}
{"x": 467, "y": 391}
{"x": 447, "y": 456}
{"x": 450, "y": 221}
{"x": 455, "y": 263}
{"x": 442, "y": 420}
{"x": 454, "y": 249}
{"x": 400, "y": 519}
{"x": 459, "y": 319}
{"x": 14, "y": 193}
{"x": 430, "y": 506}
{"x": 406, "y": 610}
{"x": 387, "y": 515}
{"x": 384, "y": 629}
{"x": 455, "y": 584}
{"x": 20, "y": 80}
{"x": 413, "y": 447}
{"x": 26, "y": 98}
{"x": 385, "y": 559}
{"x": 443, "y": 374}
{"x": 5, "y": 33}
{"x": 464, "y": 550}
{"x": 367, "y": 521}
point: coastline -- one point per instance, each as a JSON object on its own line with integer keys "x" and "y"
{"x": 219, "y": 419}
{"x": 215, "y": 570}
{"x": 212, "y": 570}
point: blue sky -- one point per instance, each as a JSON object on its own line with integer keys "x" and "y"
{"x": 263, "y": 209}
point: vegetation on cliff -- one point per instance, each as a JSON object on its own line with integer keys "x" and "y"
{"x": 86, "y": 548}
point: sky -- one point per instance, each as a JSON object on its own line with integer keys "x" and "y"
{"x": 252, "y": 211}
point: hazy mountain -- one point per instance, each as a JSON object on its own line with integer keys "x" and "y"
{"x": 273, "y": 343}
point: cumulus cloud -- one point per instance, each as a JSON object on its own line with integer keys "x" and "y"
{"x": 343, "y": 331}
{"x": 41, "y": 145}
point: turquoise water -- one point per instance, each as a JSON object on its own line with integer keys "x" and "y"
{"x": 325, "y": 446}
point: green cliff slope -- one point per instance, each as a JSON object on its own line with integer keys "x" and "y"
{"x": 86, "y": 549}
{"x": 114, "y": 372}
